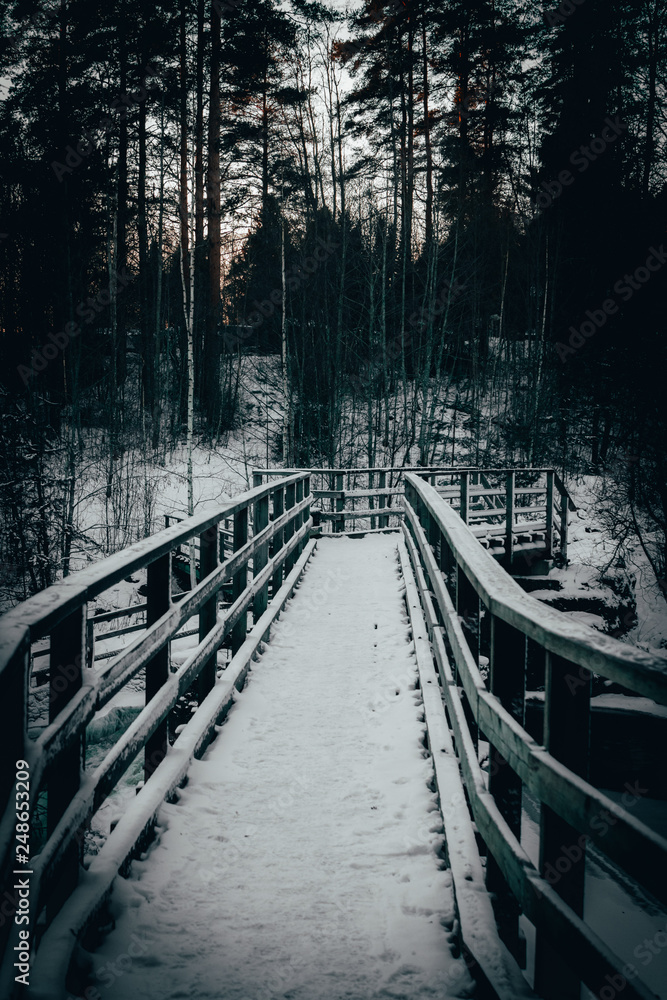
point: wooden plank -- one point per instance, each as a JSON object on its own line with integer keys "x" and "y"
{"x": 13, "y": 709}
{"x": 508, "y": 683}
{"x": 509, "y": 520}
{"x": 277, "y": 540}
{"x": 591, "y": 957}
{"x": 465, "y": 500}
{"x": 68, "y": 651}
{"x": 54, "y": 955}
{"x": 477, "y": 515}
{"x": 566, "y": 737}
{"x": 519, "y": 529}
{"x": 109, "y": 616}
{"x": 549, "y": 541}
{"x": 101, "y": 783}
{"x": 290, "y": 501}
{"x": 240, "y": 578}
{"x": 339, "y": 524}
{"x": 260, "y": 556}
{"x": 633, "y": 845}
{"x": 577, "y": 643}
{"x": 349, "y": 515}
{"x": 473, "y": 902}
{"x": 157, "y": 668}
{"x": 208, "y": 562}
{"x": 45, "y": 610}
{"x": 134, "y": 656}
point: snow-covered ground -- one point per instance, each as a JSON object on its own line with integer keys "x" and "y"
{"x": 302, "y": 859}
{"x": 591, "y": 549}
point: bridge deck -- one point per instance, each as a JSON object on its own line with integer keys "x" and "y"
{"x": 302, "y": 858}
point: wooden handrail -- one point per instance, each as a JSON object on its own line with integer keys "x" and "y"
{"x": 77, "y": 693}
{"x": 447, "y": 556}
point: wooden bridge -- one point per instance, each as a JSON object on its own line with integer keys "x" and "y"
{"x": 475, "y": 632}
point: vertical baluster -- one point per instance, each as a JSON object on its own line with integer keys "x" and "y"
{"x": 467, "y": 605}
{"x": 14, "y": 709}
{"x": 240, "y": 578}
{"x": 371, "y": 500}
{"x": 290, "y": 494}
{"x": 566, "y": 736}
{"x": 563, "y": 526}
{"x": 299, "y": 519}
{"x": 549, "y": 540}
{"x": 260, "y": 556}
{"x": 382, "y": 502}
{"x": 68, "y": 651}
{"x": 508, "y": 683}
{"x": 306, "y": 513}
{"x": 277, "y": 543}
{"x": 465, "y": 502}
{"x": 340, "y": 504}
{"x": 157, "y": 669}
{"x": 509, "y": 520}
{"x": 208, "y": 562}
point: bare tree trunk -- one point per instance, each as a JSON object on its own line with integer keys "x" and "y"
{"x": 157, "y": 402}
{"x": 287, "y": 402}
{"x": 212, "y": 352}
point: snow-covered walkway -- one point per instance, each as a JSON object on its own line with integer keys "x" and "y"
{"x": 301, "y": 860}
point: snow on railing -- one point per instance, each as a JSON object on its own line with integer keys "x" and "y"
{"x": 482, "y": 626}
{"x": 270, "y": 543}
{"x": 513, "y": 507}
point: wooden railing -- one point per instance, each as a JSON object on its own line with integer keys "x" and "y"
{"x": 271, "y": 526}
{"x": 506, "y": 509}
{"x": 482, "y": 627}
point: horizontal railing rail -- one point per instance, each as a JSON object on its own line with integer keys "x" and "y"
{"x": 271, "y": 526}
{"x": 525, "y": 506}
{"x": 482, "y": 627}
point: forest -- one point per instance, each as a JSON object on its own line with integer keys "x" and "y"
{"x": 431, "y": 231}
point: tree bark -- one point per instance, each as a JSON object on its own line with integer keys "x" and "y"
{"x": 212, "y": 351}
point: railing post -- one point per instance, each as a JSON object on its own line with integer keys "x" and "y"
{"x": 306, "y": 514}
{"x": 157, "y": 669}
{"x": 290, "y": 494}
{"x": 382, "y": 502}
{"x": 465, "y": 502}
{"x": 277, "y": 541}
{"x": 509, "y": 520}
{"x": 340, "y": 504}
{"x": 508, "y": 683}
{"x": 260, "y": 519}
{"x": 90, "y": 642}
{"x": 240, "y": 578}
{"x": 564, "y": 504}
{"x": 371, "y": 503}
{"x": 68, "y": 651}
{"x": 14, "y": 715}
{"x": 257, "y": 479}
{"x": 208, "y": 561}
{"x": 549, "y": 540}
{"x": 562, "y": 847}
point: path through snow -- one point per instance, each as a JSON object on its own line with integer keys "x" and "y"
{"x": 301, "y": 860}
